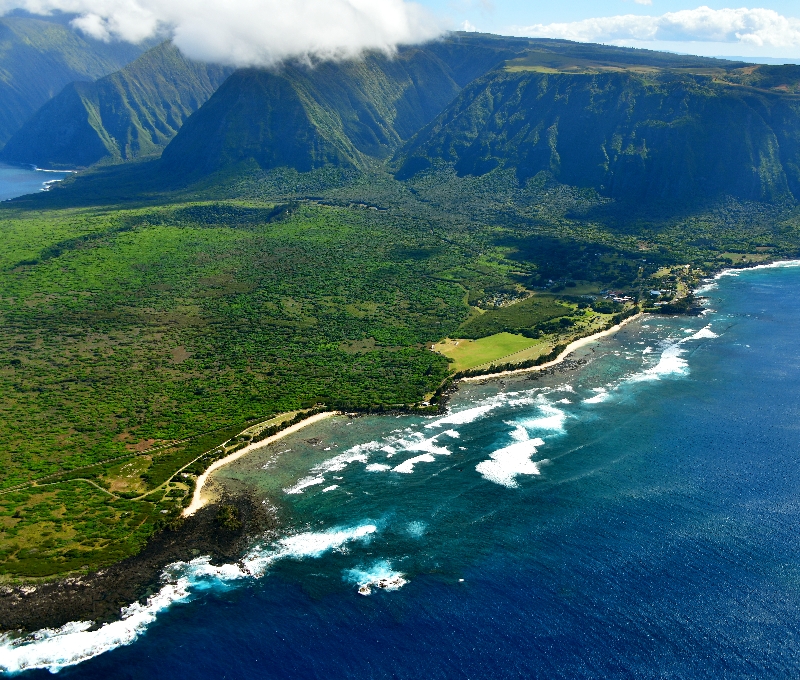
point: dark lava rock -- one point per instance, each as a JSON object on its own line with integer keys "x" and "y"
{"x": 222, "y": 530}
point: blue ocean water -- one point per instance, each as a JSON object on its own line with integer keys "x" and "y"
{"x": 636, "y": 518}
{"x": 20, "y": 180}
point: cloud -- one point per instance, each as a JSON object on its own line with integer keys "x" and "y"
{"x": 250, "y": 32}
{"x": 747, "y": 27}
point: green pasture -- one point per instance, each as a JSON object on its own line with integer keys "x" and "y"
{"x": 467, "y": 354}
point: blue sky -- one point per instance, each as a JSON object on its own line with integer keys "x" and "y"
{"x": 770, "y": 28}
{"x": 265, "y": 32}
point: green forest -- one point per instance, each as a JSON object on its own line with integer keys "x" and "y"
{"x": 137, "y": 339}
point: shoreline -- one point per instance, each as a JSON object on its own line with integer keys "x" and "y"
{"x": 199, "y": 502}
{"x": 100, "y": 596}
{"x": 570, "y": 348}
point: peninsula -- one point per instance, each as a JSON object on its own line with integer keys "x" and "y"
{"x": 476, "y": 205}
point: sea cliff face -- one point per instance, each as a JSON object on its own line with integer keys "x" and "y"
{"x": 41, "y": 55}
{"x": 660, "y": 136}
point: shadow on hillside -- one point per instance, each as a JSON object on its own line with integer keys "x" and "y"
{"x": 635, "y": 217}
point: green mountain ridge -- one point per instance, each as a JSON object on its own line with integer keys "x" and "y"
{"x": 40, "y": 56}
{"x": 349, "y": 113}
{"x": 133, "y": 112}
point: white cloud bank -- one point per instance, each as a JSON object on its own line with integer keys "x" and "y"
{"x": 249, "y": 32}
{"x": 748, "y": 30}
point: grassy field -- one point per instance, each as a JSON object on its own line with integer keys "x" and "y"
{"x": 467, "y": 354}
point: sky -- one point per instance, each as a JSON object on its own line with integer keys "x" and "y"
{"x": 770, "y": 28}
{"x": 266, "y": 32}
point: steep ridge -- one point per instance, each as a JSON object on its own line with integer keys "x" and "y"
{"x": 304, "y": 117}
{"x": 653, "y": 135}
{"x": 40, "y": 56}
{"x": 133, "y": 112}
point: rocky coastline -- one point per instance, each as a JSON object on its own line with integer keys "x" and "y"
{"x": 221, "y": 530}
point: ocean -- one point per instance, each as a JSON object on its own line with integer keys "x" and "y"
{"x": 20, "y": 180}
{"x": 637, "y": 516}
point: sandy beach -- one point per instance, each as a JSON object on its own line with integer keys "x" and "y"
{"x": 573, "y": 346}
{"x": 198, "y": 500}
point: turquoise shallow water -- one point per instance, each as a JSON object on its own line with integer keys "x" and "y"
{"x": 19, "y": 180}
{"x": 636, "y": 518}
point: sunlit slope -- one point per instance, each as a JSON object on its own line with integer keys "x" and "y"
{"x": 39, "y": 57}
{"x": 133, "y": 112}
{"x": 632, "y": 134}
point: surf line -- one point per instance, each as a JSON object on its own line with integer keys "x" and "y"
{"x": 570, "y": 348}
{"x": 197, "y": 498}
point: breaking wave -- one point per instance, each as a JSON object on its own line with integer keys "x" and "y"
{"x": 78, "y": 641}
{"x": 54, "y": 649}
{"x": 506, "y": 464}
{"x": 379, "y": 575}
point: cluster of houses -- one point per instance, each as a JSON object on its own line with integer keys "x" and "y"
{"x": 616, "y": 296}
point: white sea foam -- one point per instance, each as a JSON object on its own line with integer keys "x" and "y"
{"x": 707, "y": 288}
{"x": 552, "y": 418}
{"x": 380, "y": 575}
{"x": 357, "y": 454}
{"x": 781, "y": 264}
{"x": 671, "y": 362}
{"x": 76, "y": 642}
{"x": 602, "y": 394}
{"x": 416, "y": 529}
{"x": 506, "y": 464}
{"x": 705, "y": 333}
{"x": 330, "y": 488}
{"x": 486, "y": 406}
{"x": 312, "y": 543}
{"x": 469, "y": 415}
{"x": 418, "y": 442}
{"x": 519, "y": 433}
{"x": 304, "y": 484}
{"x": 406, "y": 441}
{"x": 407, "y": 467}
